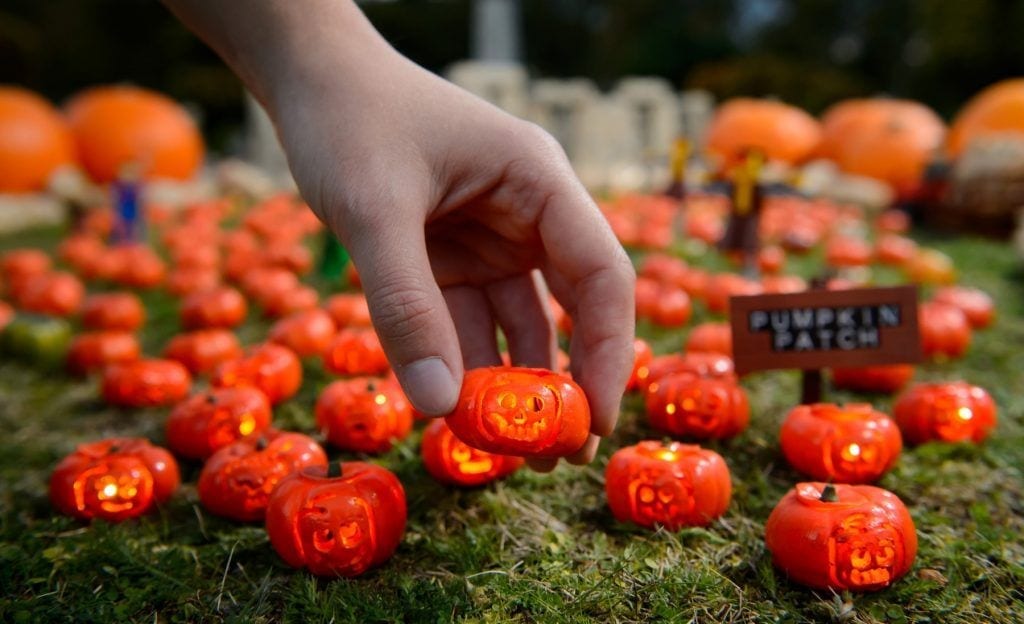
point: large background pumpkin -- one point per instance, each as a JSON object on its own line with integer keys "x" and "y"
{"x": 34, "y": 141}
{"x": 117, "y": 125}
{"x": 997, "y": 109}
{"x": 782, "y": 132}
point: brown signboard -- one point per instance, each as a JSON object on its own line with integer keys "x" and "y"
{"x": 825, "y": 328}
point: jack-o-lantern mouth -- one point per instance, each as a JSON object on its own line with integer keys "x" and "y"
{"x": 339, "y": 525}
{"x": 859, "y": 457}
{"x": 873, "y": 576}
{"x": 864, "y": 555}
{"x": 469, "y": 461}
{"x": 520, "y": 427}
{"x": 660, "y": 500}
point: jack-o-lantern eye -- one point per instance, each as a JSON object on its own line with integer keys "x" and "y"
{"x": 461, "y": 453}
{"x": 851, "y": 452}
{"x": 646, "y": 494}
{"x": 666, "y": 494}
{"x": 885, "y": 556}
{"x": 350, "y": 535}
{"x": 507, "y": 400}
{"x": 860, "y": 558}
{"x": 534, "y": 403}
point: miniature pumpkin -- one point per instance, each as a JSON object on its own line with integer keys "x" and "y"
{"x": 237, "y": 480}
{"x": 337, "y": 524}
{"x": 206, "y": 422}
{"x": 702, "y": 408}
{"x": 93, "y": 351}
{"x": 885, "y": 378}
{"x": 114, "y": 479}
{"x": 307, "y": 333}
{"x": 976, "y": 305}
{"x": 847, "y": 444}
{"x": 949, "y": 412}
{"x": 356, "y": 352}
{"x": 363, "y": 414}
{"x": 528, "y": 412}
{"x": 145, "y": 383}
{"x": 42, "y": 340}
{"x": 285, "y": 302}
{"x": 185, "y": 281}
{"x": 262, "y": 283}
{"x": 349, "y": 310}
{"x": 770, "y": 259}
{"x": 895, "y": 250}
{"x": 672, "y": 485}
{"x": 203, "y": 350}
{"x": 274, "y": 369}
{"x": 6, "y": 314}
{"x": 56, "y": 294}
{"x": 82, "y": 252}
{"x": 135, "y": 266}
{"x": 723, "y": 286}
{"x": 222, "y": 307}
{"x": 847, "y": 251}
{"x": 930, "y": 266}
{"x": 642, "y": 356}
{"x": 855, "y": 537}
{"x": 115, "y": 311}
{"x": 34, "y": 141}
{"x": 714, "y": 365}
{"x": 117, "y": 125}
{"x": 18, "y": 265}
{"x": 710, "y": 337}
{"x": 450, "y": 460}
{"x": 944, "y": 330}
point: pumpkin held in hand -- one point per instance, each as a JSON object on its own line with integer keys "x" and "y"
{"x": 114, "y": 479}
{"x": 847, "y": 444}
{"x": 672, "y": 485}
{"x": 337, "y": 524}
{"x": 855, "y": 537}
{"x": 528, "y": 412}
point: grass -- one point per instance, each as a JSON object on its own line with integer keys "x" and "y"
{"x": 534, "y": 547}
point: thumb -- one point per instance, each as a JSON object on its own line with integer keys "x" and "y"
{"x": 409, "y": 314}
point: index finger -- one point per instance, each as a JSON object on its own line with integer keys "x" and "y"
{"x": 595, "y": 274}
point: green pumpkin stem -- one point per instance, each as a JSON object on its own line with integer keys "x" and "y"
{"x": 334, "y": 470}
{"x": 829, "y": 494}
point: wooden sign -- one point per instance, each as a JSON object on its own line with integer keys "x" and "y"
{"x": 825, "y": 328}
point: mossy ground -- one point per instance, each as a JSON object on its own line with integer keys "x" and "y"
{"x": 535, "y": 547}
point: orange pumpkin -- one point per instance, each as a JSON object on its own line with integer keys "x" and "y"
{"x": 782, "y": 132}
{"x": 94, "y": 351}
{"x": 223, "y": 307}
{"x": 57, "y": 294}
{"x": 121, "y": 310}
{"x": 997, "y": 109}
{"x": 117, "y": 125}
{"x": 451, "y": 461}
{"x": 203, "y": 350}
{"x": 274, "y": 369}
{"x": 976, "y": 305}
{"x": 363, "y": 414}
{"x": 306, "y": 333}
{"x": 355, "y": 352}
{"x": 889, "y": 140}
{"x": 944, "y": 330}
{"x": 34, "y": 141}
{"x": 710, "y": 338}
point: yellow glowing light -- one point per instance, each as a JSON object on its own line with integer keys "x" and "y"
{"x": 666, "y": 455}
{"x": 689, "y": 404}
{"x": 965, "y": 413}
{"x": 248, "y": 425}
{"x": 380, "y": 399}
{"x": 853, "y": 450}
{"x": 642, "y": 372}
{"x": 670, "y": 408}
{"x": 110, "y": 490}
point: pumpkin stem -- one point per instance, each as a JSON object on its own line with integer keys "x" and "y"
{"x": 262, "y": 443}
{"x": 371, "y": 387}
{"x": 334, "y": 470}
{"x": 210, "y": 398}
{"x": 829, "y": 494}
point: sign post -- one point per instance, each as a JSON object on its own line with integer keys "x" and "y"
{"x": 818, "y": 329}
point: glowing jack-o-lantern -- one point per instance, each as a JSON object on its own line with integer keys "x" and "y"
{"x": 685, "y": 404}
{"x": 237, "y": 480}
{"x": 714, "y": 365}
{"x": 450, "y": 460}
{"x": 848, "y": 444}
{"x": 337, "y": 524}
{"x": 950, "y": 412}
{"x": 642, "y": 356}
{"x": 363, "y": 414}
{"x": 114, "y": 479}
{"x": 854, "y": 537}
{"x": 205, "y": 422}
{"x": 528, "y": 412}
{"x": 672, "y": 485}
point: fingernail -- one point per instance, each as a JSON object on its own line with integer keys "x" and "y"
{"x": 429, "y": 385}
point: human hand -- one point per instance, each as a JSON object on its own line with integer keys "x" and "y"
{"x": 456, "y": 215}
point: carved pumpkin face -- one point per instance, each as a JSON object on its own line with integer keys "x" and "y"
{"x": 450, "y": 460}
{"x": 238, "y": 479}
{"x": 274, "y": 369}
{"x": 205, "y": 422}
{"x": 337, "y": 525}
{"x": 950, "y": 412}
{"x": 702, "y": 408}
{"x": 356, "y": 352}
{"x": 854, "y": 537}
{"x": 672, "y": 485}
{"x": 864, "y": 551}
{"x": 364, "y": 414}
{"x": 849, "y": 444}
{"x": 113, "y": 479}
{"x": 521, "y": 411}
